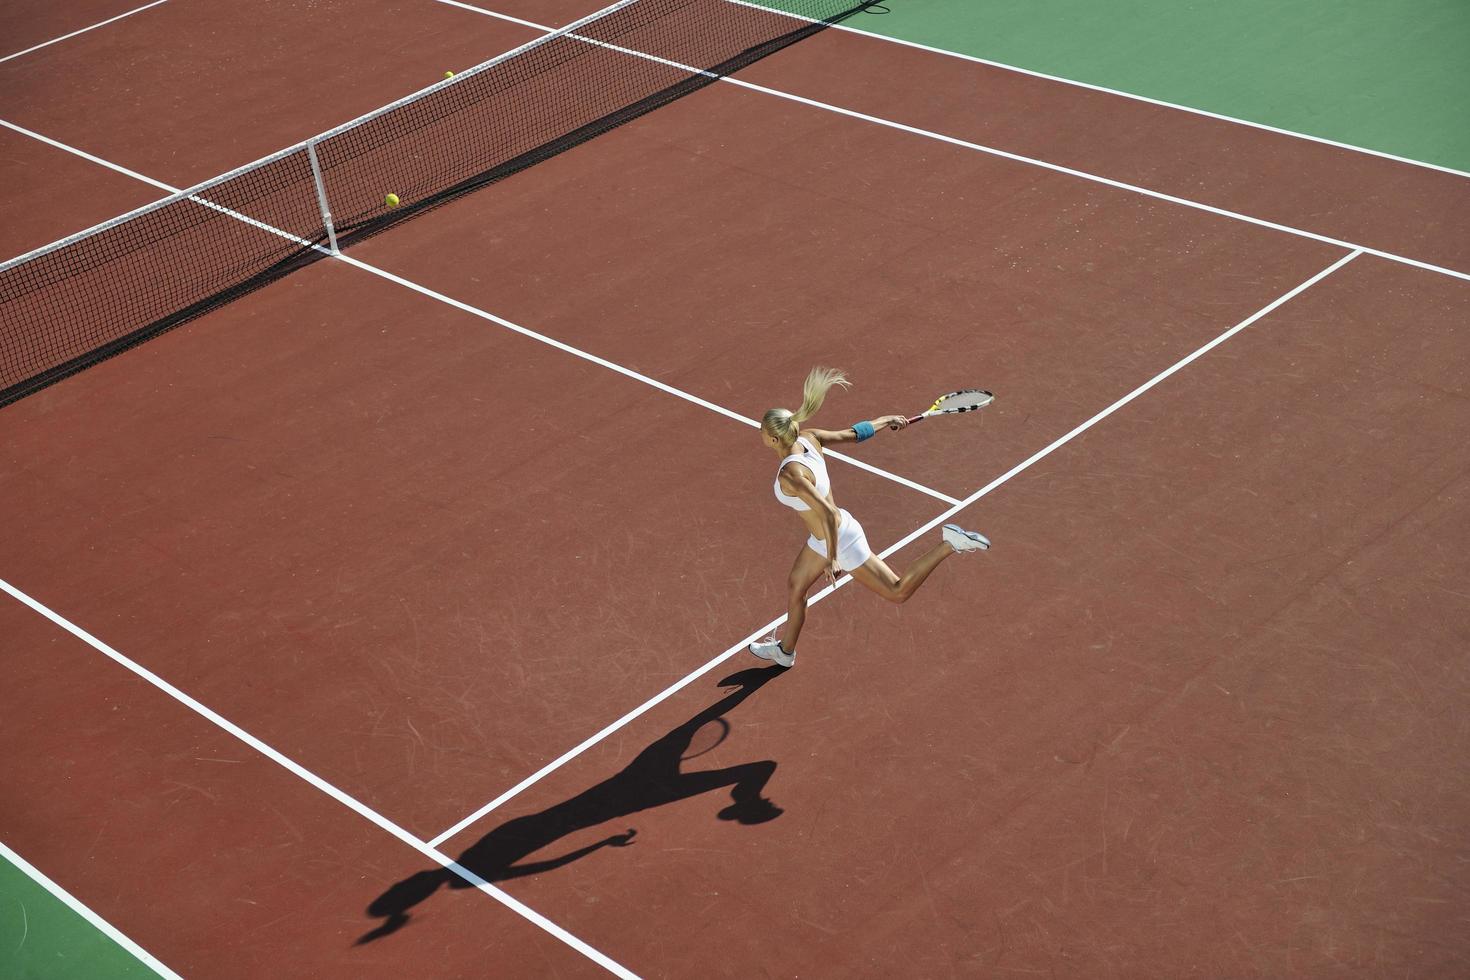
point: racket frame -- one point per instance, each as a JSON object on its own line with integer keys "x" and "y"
{"x": 936, "y": 410}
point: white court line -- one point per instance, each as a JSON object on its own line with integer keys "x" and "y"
{"x": 620, "y": 369}
{"x": 96, "y": 921}
{"x": 116, "y": 167}
{"x": 101, "y": 23}
{"x": 992, "y": 151}
{"x": 1007, "y": 475}
{"x": 1113, "y": 91}
{"x": 340, "y": 796}
{"x": 196, "y": 198}
{"x": 482, "y": 314}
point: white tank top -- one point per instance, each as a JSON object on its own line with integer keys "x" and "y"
{"x": 812, "y": 460}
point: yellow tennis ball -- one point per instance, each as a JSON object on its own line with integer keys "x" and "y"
{"x": 391, "y": 200}
{"x": 449, "y": 74}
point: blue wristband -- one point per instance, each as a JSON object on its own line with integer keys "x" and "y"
{"x": 864, "y": 430}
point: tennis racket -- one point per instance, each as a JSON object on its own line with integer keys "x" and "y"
{"x": 968, "y": 400}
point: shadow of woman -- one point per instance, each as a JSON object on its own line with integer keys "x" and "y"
{"x": 650, "y": 780}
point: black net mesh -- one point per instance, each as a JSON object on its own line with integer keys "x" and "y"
{"x": 75, "y": 305}
{"x": 86, "y": 299}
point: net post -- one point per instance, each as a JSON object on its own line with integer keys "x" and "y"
{"x": 321, "y": 195}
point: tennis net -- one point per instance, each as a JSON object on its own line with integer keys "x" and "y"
{"x": 87, "y": 297}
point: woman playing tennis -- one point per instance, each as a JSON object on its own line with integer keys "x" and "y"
{"x": 837, "y": 542}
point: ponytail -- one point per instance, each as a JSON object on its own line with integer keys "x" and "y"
{"x": 784, "y": 424}
{"x": 814, "y": 391}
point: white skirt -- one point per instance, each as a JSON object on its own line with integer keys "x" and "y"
{"x": 852, "y": 543}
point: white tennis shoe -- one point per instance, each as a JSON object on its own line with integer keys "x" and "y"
{"x": 961, "y": 540}
{"x": 770, "y": 649}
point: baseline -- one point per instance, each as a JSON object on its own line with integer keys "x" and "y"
{"x": 992, "y": 151}
{"x": 92, "y": 918}
{"x": 1221, "y": 117}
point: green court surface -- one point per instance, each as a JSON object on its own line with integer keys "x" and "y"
{"x": 43, "y": 939}
{"x": 1392, "y": 77}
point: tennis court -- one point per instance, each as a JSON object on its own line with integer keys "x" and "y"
{"x": 386, "y": 615}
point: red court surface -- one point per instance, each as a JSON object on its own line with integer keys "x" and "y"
{"x": 1195, "y": 714}
{"x": 1368, "y": 200}
{"x": 1200, "y": 721}
{"x": 201, "y": 96}
{"x": 705, "y": 256}
{"x": 62, "y": 193}
{"x": 247, "y": 871}
{"x": 372, "y": 506}
{"x": 25, "y": 24}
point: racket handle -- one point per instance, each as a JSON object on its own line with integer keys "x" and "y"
{"x": 912, "y": 420}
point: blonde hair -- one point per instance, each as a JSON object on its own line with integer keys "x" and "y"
{"x": 785, "y": 424}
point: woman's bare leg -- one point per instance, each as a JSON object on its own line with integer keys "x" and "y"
{"x": 877, "y": 576}
{"x": 804, "y": 573}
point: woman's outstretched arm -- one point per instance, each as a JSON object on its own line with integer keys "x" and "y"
{"x": 858, "y": 431}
